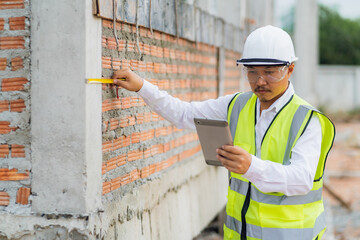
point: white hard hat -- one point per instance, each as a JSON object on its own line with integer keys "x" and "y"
{"x": 268, "y": 46}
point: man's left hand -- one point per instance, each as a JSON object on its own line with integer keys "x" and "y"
{"x": 234, "y": 158}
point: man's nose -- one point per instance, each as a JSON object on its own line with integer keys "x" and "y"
{"x": 261, "y": 80}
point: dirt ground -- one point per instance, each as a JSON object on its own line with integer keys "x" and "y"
{"x": 342, "y": 186}
{"x": 342, "y": 177}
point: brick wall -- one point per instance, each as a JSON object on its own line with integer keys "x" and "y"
{"x": 15, "y": 164}
{"x": 138, "y": 144}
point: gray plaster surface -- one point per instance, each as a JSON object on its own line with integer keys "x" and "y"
{"x": 66, "y": 113}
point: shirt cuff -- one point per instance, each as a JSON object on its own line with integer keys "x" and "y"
{"x": 255, "y": 170}
{"x": 146, "y": 89}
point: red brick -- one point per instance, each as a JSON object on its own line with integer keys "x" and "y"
{"x": 111, "y": 43}
{"x": 139, "y": 118}
{"x": 2, "y": 24}
{"x": 124, "y": 122}
{"x": 134, "y": 175}
{"x": 125, "y": 103}
{"x": 3, "y": 63}
{"x": 135, "y": 137}
{"x": 116, "y": 63}
{"x": 134, "y": 64}
{"x": 13, "y": 84}
{"x": 9, "y": 4}
{"x": 150, "y": 67}
{"x": 147, "y": 117}
{"x": 147, "y": 135}
{"x": 12, "y": 175}
{"x": 106, "y": 105}
{"x": 106, "y": 62}
{"x": 147, "y": 48}
{"x": 111, "y": 164}
{"x": 131, "y": 46}
{"x": 4, "y": 199}
{"x": 172, "y": 53}
{"x": 5, "y": 127}
{"x": 142, "y": 67}
{"x": 12, "y": 42}
{"x": 125, "y": 63}
{"x": 147, "y": 153}
{"x": 17, "y": 105}
{"x": 135, "y": 155}
{"x": 4, "y": 151}
{"x": 144, "y": 173}
{"x": 115, "y": 103}
{"x": 160, "y": 132}
{"x": 106, "y": 146}
{"x": 17, "y": 63}
{"x": 143, "y": 31}
{"x": 117, "y": 143}
{"x": 126, "y": 141}
{"x": 115, "y": 183}
{"x": 166, "y": 147}
{"x": 17, "y": 151}
{"x": 152, "y": 169}
{"x": 22, "y": 196}
{"x": 107, "y": 23}
{"x": 134, "y": 101}
{"x": 125, "y": 179}
{"x": 17, "y": 23}
{"x": 166, "y": 53}
{"x": 103, "y": 41}
{"x": 4, "y": 106}
{"x": 131, "y": 121}
{"x": 114, "y": 123}
{"x": 103, "y": 168}
{"x": 155, "y": 117}
{"x": 106, "y": 187}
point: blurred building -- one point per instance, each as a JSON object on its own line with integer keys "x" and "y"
{"x": 78, "y": 162}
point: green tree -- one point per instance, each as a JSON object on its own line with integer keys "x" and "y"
{"x": 339, "y": 37}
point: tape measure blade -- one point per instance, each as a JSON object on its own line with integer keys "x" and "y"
{"x": 100, "y": 80}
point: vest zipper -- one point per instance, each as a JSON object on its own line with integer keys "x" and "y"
{"x": 243, "y": 213}
{"x": 247, "y": 198}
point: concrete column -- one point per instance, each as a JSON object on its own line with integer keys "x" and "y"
{"x": 306, "y": 49}
{"x": 66, "y": 112}
{"x": 356, "y": 88}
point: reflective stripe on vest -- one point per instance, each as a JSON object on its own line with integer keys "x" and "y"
{"x": 274, "y": 215}
{"x": 258, "y": 196}
{"x": 258, "y": 232}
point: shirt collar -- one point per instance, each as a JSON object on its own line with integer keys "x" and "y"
{"x": 280, "y": 103}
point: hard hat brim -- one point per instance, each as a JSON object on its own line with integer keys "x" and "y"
{"x": 262, "y": 61}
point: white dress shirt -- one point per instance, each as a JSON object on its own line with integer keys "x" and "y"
{"x": 294, "y": 179}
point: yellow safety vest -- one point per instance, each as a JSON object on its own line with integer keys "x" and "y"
{"x": 252, "y": 214}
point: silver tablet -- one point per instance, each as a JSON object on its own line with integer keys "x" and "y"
{"x": 213, "y": 134}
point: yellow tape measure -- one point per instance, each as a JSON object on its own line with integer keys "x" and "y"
{"x": 102, "y": 80}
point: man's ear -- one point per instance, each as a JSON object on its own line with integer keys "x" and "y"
{"x": 291, "y": 68}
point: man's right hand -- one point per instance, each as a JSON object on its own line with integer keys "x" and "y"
{"x": 132, "y": 81}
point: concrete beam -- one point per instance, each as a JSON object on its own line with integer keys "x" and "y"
{"x": 66, "y": 112}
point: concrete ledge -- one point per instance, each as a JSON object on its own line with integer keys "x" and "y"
{"x": 160, "y": 209}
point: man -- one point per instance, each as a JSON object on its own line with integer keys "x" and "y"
{"x": 280, "y": 143}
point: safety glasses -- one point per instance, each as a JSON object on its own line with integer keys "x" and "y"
{"x": 270, "y": 74}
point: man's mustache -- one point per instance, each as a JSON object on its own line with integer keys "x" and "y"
{"x": 261, "y": 89}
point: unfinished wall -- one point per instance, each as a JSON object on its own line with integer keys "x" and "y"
{"x": 140, "y": 147}
{"x": 137, "y": 142}
{"x": 103, "y": 167}
{"x": 15, "y": 164}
